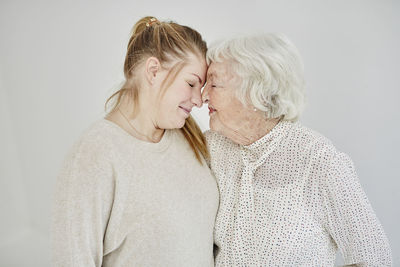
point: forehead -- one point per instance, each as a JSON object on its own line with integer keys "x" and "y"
{"x": 219, "y": 69}
{"x": 196, "y": 64}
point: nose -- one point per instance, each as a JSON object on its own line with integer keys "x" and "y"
{"x": 204, "y": 95}
{"x": 196, "y": 99}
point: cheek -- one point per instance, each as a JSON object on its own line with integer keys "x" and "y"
{"x": 171, "y": 100}
{"x": 182, "y": 94}
{"x": 229, "y": 119}
{"x": 225, "y": 104}
{"x": 185, "y": 93}
{"x": 232, "y": 113}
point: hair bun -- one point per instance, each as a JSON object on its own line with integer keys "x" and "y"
{"x": 143, "y": 23}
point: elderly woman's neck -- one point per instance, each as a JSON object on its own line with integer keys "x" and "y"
{"x": 252, "y": 130}
{"x": 259, "y": 129}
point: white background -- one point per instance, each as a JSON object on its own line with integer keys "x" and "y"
{"x": 60, "y": 60}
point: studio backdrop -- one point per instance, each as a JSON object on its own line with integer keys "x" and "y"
{"x": 61, "y": 60}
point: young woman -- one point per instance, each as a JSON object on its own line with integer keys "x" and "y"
{"x": 135, "y": 190}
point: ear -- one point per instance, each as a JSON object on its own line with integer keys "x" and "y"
{"x": 152, "y": 66}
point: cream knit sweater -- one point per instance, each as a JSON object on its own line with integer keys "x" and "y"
{"x": 124, "y": 202}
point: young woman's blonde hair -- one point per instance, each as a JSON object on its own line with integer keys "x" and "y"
{"x": 166, "y": 41}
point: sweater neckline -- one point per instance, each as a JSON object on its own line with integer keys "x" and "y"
{"x": 163, "y": 143}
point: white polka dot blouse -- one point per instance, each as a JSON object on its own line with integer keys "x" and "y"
{"x": 291, "y": 199}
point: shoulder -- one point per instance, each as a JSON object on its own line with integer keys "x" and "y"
{"x": 97, "y": 136}
{"x": 210, "y": 135}
{"x": 93, "y": 147}
{"x": 333, "y": 165}
{"x": 324, "y": 155}
{"x": 214, "y": 138}
{"x": 311, "y": 136}
{"x": 217, "y": 142}
{"x": 312, "y": 142}
{"x": 87, "y": 169}
{"x": 222, "y": 151}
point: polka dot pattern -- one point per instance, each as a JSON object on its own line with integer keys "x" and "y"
{"x": 291, "y": 199}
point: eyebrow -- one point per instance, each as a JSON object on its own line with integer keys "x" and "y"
{"x": 212, "y": 75}
{"x": 201, "y": 82}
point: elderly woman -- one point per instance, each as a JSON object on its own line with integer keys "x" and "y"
{"x": 288, "y": 197}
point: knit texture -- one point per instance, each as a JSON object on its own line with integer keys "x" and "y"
{"x": 121, "y": 201}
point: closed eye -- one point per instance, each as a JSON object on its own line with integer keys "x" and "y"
{"x": 191, "y": 85}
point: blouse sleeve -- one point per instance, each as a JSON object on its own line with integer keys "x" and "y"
{"x": 82, "y": 206}
{"x": 351, "y": 220}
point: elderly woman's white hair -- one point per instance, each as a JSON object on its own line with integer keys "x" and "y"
{"x": 270, "y": 69}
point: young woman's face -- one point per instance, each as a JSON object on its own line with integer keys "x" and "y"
{"x": 182, "y": 95}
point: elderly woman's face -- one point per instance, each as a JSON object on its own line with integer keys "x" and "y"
{"x": 227, "y": 113}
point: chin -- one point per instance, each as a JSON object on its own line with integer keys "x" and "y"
{"x": 179, "y": 123}
{"x": 216, "y": 126}
{"x": 176, "y": 123}
{"x": 212, "y": 126}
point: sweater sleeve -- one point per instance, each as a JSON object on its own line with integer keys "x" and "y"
{"x": 351, "y": 220}
{"x": 82, "y": 206}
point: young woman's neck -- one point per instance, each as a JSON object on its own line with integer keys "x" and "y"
{"x": 139, "y": 122}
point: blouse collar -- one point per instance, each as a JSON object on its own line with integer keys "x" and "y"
{"x": 267, "y": 143}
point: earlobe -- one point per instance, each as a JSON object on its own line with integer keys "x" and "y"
{"x": 153, "y": 65}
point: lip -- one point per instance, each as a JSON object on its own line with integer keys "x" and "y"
{"x": 211, "y": 110}
{"x": 187, "y": 110}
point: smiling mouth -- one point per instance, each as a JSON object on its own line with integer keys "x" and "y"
{"x": 186, "y": 110}
{"x": 211, "y": 110}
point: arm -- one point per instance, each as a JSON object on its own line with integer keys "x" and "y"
{"x": 81, "y": 208}
{"x": 350, "y": 219}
